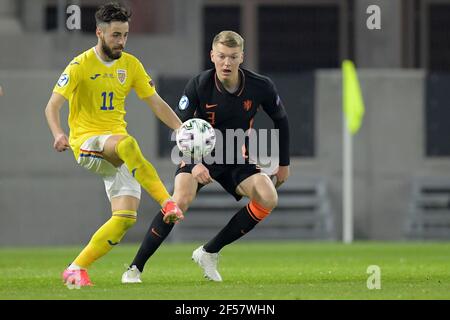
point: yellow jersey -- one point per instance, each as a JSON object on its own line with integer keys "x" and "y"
{"x": 97, "y": 90}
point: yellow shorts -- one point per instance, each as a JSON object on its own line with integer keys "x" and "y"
{"x": 118, "y": 180}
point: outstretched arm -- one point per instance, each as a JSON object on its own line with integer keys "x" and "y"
{"x": 52, "y": 110}
{"x": 162, "y": 110}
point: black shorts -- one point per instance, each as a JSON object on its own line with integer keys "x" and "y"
{"x": 228, "y": 175}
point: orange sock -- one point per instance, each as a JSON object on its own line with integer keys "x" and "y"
{"x": 257, "y": 211}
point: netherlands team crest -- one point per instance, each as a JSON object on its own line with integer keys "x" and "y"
{"x": 247, "y": 104}
{"x": 122, "y": 75}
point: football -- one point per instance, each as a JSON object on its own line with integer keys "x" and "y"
{"x": 196, "y": 138}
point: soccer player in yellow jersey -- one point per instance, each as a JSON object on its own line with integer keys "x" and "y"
{"x": 96, "y": 84}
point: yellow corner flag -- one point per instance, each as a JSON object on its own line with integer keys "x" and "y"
{"x": 353, "y": 103}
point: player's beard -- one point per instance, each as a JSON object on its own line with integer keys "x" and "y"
{"x": 109, "y": 53}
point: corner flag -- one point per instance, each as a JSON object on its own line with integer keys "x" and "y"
{"x": 352, "y": 99}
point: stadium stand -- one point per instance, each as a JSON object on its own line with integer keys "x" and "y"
{"x": 303, "y": 212}
{"x": 429, "y": 214}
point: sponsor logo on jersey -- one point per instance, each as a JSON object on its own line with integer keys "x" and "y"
{"x": 208, "y": 106}
{"x": 184, "y": 103}
{"x": 122, "y": 75}
{"x": 95, "y": 76}
{"x": 63, "y": 80}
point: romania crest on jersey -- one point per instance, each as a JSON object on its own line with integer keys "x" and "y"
{"x": 121, "y": 75}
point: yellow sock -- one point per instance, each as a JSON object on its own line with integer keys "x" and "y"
{"x": 106, "y": 237}
{"x": 128, "y": 150}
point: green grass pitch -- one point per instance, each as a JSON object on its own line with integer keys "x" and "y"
{"x": 251, "y": 270}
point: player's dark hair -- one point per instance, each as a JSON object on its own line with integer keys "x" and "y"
{"x": 112, "y": 11}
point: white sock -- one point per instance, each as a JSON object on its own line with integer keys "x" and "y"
{"x": 74, "y": 266}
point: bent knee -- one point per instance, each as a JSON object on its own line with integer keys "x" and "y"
{"x": 267, "y": 200}
{"x": 271, "y": 203}
{"x": 127, "y": 146}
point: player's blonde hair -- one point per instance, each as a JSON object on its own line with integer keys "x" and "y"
{"x": 230, "y": 39}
